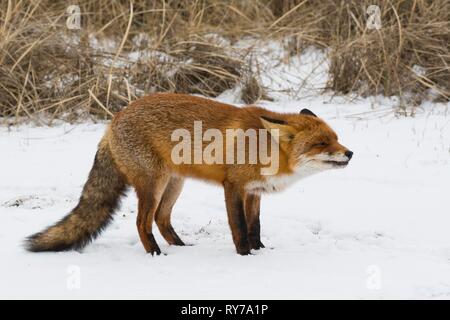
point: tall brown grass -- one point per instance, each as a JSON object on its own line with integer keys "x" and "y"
{"x": 46, "y": 69}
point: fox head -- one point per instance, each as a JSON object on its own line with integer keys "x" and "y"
{"x": 308, "y": 142}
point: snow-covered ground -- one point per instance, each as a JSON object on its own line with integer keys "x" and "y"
{"x": 377, "y": 229}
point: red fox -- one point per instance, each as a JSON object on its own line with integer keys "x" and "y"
{"x": 138, "y": 150}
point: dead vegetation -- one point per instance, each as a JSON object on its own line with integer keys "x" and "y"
{"x": 187, "y": 46}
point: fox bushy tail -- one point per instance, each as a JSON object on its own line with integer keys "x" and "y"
{"x": 100, "y": 197}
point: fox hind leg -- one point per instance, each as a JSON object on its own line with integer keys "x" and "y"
{"x": 164, "y": 211}
{"x": 149, "y": 191}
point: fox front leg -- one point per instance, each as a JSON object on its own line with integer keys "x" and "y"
{"x": 252, "y": 210}
{"x": 236, "y": 218}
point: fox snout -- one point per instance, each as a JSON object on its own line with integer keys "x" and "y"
{"x": 333, "y": 158}
{"x": 339, "y": 154}
{"x": 341, "y": 158}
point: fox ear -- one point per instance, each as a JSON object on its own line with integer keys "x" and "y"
{"x": 307, "y": 112}
{"x": 286, "y": 132}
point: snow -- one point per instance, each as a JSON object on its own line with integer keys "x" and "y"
{"x": 375, "y": 230}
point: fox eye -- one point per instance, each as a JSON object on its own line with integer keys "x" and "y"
{"x": 321, "y": 144}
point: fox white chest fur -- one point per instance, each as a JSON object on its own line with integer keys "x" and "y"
{"x": 280, "y": 182}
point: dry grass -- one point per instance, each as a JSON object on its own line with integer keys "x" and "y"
{"x": 407, "y": 56}
{"x": 46, "y": 69}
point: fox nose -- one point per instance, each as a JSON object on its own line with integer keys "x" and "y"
{"x": 349, "y": 154}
